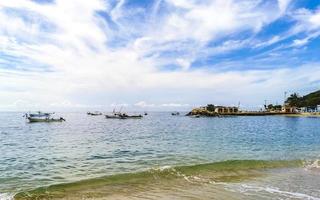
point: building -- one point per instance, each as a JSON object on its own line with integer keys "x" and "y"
{"x": 225, "y": 110}
{"x": 303, "y": 109}
{"x": 288, "y": 109}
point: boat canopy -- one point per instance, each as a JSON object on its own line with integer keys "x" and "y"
{"x": 39, "y": 114}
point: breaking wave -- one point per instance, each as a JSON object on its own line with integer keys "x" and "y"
{"x": 6, "y": 196}
{"x": 218, "y": 172}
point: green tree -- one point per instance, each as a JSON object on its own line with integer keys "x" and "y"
{"x": 270, "y": 107}
{"x": 294, "y": 100}
{"x": 210, "y": 107}
{"x": 274, "y": 107}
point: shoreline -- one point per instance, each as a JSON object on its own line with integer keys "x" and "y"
{"x": 126, "y": 186}
{"x": 205, "y": 113}
{"x": 273, "y": 114}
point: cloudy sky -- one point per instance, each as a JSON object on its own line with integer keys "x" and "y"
{"x": 156, "y": 54}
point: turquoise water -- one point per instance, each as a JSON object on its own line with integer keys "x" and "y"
{"x": 85, "y": 147}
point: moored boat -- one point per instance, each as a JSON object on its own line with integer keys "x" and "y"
{"x": 42, "y": 117}
{"x": 32, "y": 120}
{"x": 114, "y": 116}
{"x": 39, "y": 114}
{"x": 96, "y": 113}
{"x": 123, "y": 116}
{"x": 175, "y": 113}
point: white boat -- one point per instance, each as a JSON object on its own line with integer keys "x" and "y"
{"x": 39, "y": 114}
{"x": 32, "y": 120}
{"x": 42, "y": 117}
{"x": 123, "y": 116}
{"x": 114, "y": 116}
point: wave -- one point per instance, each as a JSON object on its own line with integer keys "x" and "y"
{"x": 6, "y": 196}
{"x": 312, "y": 165}
{"x": 226, "y": 171}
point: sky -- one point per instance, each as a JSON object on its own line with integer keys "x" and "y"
{"x": 156, "y": 54}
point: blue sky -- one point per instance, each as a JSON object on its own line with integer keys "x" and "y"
{"x": 156, "y": 54}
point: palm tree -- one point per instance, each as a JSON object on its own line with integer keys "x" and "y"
{"x": 294, "y": 100}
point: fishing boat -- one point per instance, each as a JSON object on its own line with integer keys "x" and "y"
{"x": 38, "y": 114}
{"x": 175, "y": 113}
{"x": 121, "y": 115}
{"x": 31, "y": 120}
{"x": 125, "y": 116}
{"x": 42, "y": 117}
{"x": 113, "y": 116}
{"x": 96, "y": 113}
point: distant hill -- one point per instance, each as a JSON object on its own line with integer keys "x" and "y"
{"x": 309, "y": 100}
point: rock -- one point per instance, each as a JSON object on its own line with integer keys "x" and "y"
{"x": 202, "y": 112}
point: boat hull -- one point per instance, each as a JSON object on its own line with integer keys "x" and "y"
{"x": 94, "y": 114}
{"x": 131, "y": 117}
{"x": 113, "y": 117}
{"x": 123, "y": 116}
{"x": 34, "y": 120}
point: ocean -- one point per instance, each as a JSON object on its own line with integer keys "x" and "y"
{"x": 160, "y": 157}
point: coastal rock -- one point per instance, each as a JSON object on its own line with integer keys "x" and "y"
{"x": 202, "y": 112}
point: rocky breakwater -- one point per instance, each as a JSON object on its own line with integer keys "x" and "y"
{"x": 202, "y": 112}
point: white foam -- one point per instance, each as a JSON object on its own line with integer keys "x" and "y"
{"x": 162, "y": 168}
{"x": 166, "y": 167}
{"x": 6, "y": 196}
{"x": 246, "y": 189}
{"x": 315, "y": 165}
{"x": 174, "y": 172}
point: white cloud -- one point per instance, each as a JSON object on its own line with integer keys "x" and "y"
{"x": 307, "y": 20}
{"x": 175, "y": 105}
{"x": 119, "y": 105}
{"x": 300, "y": 42}
{"x": 80, "y": 63}
{"x": 271, "y": 41}
{"x": 143, "y": 104}
{"x": 315, "y": 19}
{"x": 283, "y": 4}
{"x": 184, "y": 63}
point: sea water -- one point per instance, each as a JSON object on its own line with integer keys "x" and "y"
{"x": 84, "y": 148}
